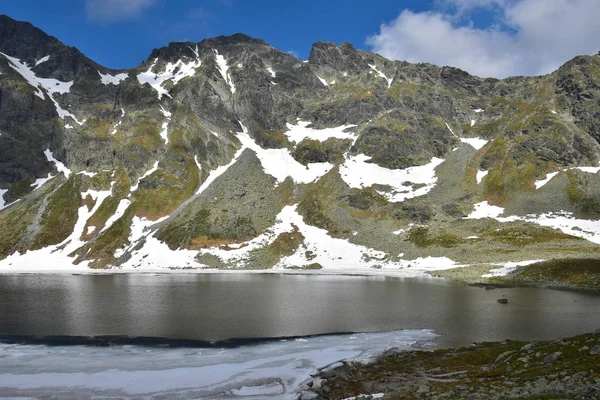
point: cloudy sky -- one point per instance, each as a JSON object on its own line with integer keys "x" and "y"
{"x": 496, "y": 38}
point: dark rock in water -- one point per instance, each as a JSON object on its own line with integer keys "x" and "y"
{"x": 503, "y": 301}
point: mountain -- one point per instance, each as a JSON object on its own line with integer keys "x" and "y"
{"x": 229, "y": 153}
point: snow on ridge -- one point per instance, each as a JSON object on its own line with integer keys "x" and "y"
{"x": 271, "y": 72}
{"x": 164, "y": 133}
{"x": 41, "y": 61}
{"x": 60, "y": 167}
{"x": 108, "y": 79}
{"x": 300, "y": 131}
{"x": 121, "y": 208}
{"x": 173, "y": 72}
{"x": 280, "y": 164}
{"x": 358, "y": 173}
{"x": 224, "y": 70}
{"x": 382, "y": 75}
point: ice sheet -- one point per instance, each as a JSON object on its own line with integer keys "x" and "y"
{"x": 271, "y": 370}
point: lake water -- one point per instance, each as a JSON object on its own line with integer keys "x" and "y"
{"x": 392, "y": 312}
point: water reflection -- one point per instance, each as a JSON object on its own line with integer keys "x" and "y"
{"x": 217, "y": 307}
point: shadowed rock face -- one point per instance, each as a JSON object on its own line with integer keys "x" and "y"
{"x": 150, "y": 136}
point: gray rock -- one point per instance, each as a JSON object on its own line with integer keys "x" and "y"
{"x": 550, "y": 358}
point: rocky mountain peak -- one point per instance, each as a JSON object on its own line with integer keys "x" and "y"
{"x": 340, "y": 58}
{"x": 50, "y": 57}
{"x": 236, "y": 146}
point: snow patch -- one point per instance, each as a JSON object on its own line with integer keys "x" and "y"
{"x": 271, "y": 72}
{"x": 404, "y": 183}
{"x": 300, "y": 131}
{"x": 479, "y": 110}
{"x": 563, "y": 221}
{"x": 472, "y": 122}
{"x": 323, "y": 81}
{"x": 542, "y": 182}
{"x": 2, "y": 202}
{"x": 39, "y": 182}
{"x": 477, "y": 143}
{"x": 55, "y": 258}
{"x": 108, "y": 79}
{"x": 480, "y": 175}
{"x": 366, "y": 396}
{"x": 280, "y": 164}
{"x": 60, "y": 167}
{"x": 173, "y": 72}
{"x": 164, "y": 133}
{"x": 215, "y": 173}
{"x": 381, "y": 74}
{"x": 224, "y": 70}
{"x": 146, "y": 174}
{"x": 331, "y": 253}
{"x": 198, "y": 164}
{"x": 589, "y": 170}
{"x": 50, "y": 85}
{"x": 121, "y": 208}
{"x": 154, "y": 253}
{"x": 485, "y": 210}
{"x": 41, "y": 61}
{"x": 509, "y": 268}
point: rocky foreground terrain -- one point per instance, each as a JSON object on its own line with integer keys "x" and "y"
{"x": 231, "y": 154}
{"x": 562, "y": 369}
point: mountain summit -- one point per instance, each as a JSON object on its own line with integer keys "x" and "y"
{"x": 231, "y": 154}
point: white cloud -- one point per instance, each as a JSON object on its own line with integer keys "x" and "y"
{"x": 528, "y": 37}
{"x": 116, "y": 10}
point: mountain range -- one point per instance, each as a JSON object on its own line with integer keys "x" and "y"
{"x": 231, "y": 154}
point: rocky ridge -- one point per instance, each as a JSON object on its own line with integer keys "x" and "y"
{"x": 229, "y": 153}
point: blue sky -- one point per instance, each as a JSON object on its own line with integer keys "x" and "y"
{"x": 122, "y": 42}
{"x": 485, "y": 37}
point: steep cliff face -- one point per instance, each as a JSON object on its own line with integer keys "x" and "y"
{"x": 229, "y": 153}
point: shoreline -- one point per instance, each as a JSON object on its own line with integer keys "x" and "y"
{"x": 561, "y": 368}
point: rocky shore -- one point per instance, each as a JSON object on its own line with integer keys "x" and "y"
{"x": 560, "y": 369}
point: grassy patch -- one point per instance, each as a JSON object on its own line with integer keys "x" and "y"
{"x": 421, "y": 237}
{"x": 572, "y": 273}
{"x": 60, "y": 215}
{"x": 526, "y": 234}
